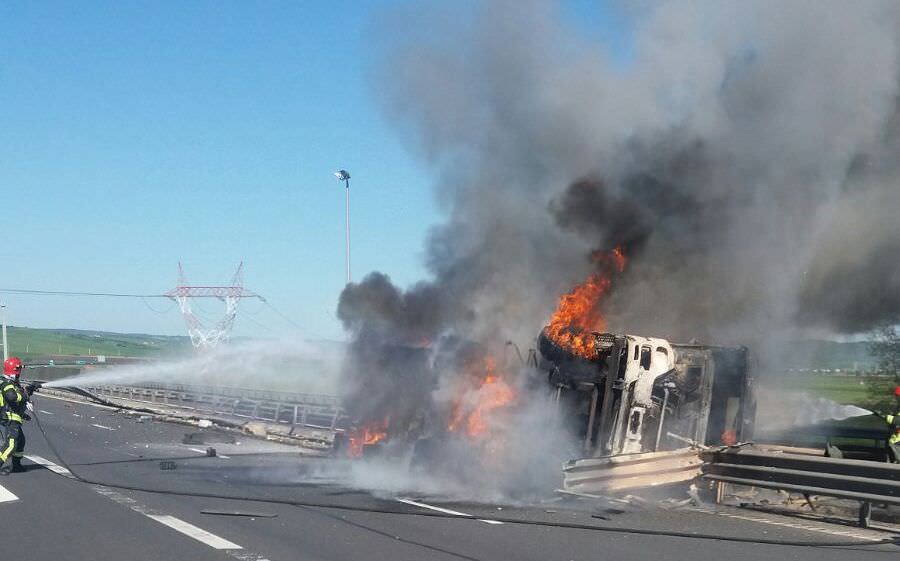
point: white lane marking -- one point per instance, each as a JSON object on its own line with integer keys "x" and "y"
{"x": 192, "y": 531}
{"x": 102, "y": 427}
{"x": 444, "y": 510}
{"x": 51, "y": 466}
{"x": 199, "y": 451}
{"x": 76, "y": 415}
{"x": 179, "y": 525}
{"x": 6, "y": 495}
{"x": 45, "y": 412}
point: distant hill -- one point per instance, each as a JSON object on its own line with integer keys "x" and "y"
{"x": 27, "y": 342}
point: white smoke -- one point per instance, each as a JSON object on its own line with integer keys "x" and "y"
{"x": 283, "y": 364}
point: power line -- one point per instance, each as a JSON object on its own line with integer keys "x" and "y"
{"x": 256, "y": 323}
{"x": 24, "y": 291}
{"x": 152, "y": 309}
{"x": 29, "y": 292}
{"x": 284, "y": 317}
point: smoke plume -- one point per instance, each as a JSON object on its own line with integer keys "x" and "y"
{"x": 744, "y": 155}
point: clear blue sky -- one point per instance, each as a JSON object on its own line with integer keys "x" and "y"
{"x": 134, "y": 135}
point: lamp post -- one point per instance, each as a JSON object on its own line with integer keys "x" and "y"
{"x": 344, "y": 175}
{"x": 3, "y": 319}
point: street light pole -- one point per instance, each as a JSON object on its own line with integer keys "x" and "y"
{"x": 3, "y": 319}
{"x": 344, "y": 175}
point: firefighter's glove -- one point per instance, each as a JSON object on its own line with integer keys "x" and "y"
{"x": 29, "y": 406}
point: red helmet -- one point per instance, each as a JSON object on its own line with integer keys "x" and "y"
{"x": 12, "y": 366}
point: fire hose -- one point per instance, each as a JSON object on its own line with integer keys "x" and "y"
{"x": 895, "y": 540}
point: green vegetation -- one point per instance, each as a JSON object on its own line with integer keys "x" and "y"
{"x": 30, "y": 343}
{"x": 830, "y": 355}
{"x": 862, "y": 391}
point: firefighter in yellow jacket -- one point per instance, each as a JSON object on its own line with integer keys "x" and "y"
{"x": 894, "y": 438}
{"x": 13, "y": 411}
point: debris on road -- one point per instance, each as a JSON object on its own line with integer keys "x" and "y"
{"x": 248, "y": 514}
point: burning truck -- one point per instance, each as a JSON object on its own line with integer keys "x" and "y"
{"x": 630, "y": 394}
{"x": 617, "y": 394}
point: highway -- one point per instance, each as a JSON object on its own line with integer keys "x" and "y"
{"x": 51, "y": 515}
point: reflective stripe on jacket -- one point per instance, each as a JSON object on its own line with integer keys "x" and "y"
{"x": 894, "y": 421}
{"x": 12, "y": 402}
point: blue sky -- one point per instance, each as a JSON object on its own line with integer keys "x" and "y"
{"x": 134, "y": 135}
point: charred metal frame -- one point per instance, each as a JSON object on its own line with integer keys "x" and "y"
{"x": 625, "y": 391}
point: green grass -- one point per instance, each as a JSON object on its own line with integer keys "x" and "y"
{"x": 862, "y": 391}
{"x": 30, "y": 343}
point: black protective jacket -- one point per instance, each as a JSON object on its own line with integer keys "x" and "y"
{"x": 13, "y": 400}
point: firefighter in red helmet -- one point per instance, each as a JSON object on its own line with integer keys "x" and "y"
{"x": 13, "y": 411}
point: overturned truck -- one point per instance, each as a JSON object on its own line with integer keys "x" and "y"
{"x": 633, "y": 394}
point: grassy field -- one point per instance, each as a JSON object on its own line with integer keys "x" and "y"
{"x": 27, "y": 343}
{"x": 850, "y": 390}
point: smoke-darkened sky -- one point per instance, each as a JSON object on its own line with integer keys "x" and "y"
{"x": 746, "y": 159}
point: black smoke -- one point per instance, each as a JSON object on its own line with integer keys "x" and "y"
{"x": 745, "y": 157}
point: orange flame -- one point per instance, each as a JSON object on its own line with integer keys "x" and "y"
{"x": 578, "y": 313}
{"x": 366, "y": 435}
{"x": 472, "y": 411}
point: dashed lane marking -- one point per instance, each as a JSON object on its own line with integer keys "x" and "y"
{"x": 236, "y": 552}
{"x": 199, "y": 451}
{"x": 192, "y": 531}
{"x": 444, "y": 510}
{"x": 45, "y": 412}
{"x": 6, "y": 495}
{"x": 57, "y": 469}
{"x": 102, "y": 427}
{"x": 199, "y": 534}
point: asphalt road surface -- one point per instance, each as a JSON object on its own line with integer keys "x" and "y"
{"x": 51, "y": 515}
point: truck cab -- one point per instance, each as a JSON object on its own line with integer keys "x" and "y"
{"x": 644, "y": 394}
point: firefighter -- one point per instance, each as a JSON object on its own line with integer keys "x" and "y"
{"x": 13, "y": 405}
{"x": 893, "y": 442}
{"x": 894, "y": 438}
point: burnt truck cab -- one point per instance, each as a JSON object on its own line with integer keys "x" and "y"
{"x": 644, "y": 394}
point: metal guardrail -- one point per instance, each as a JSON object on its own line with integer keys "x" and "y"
{"x": 296, "y": 410}
{"x": 865, "y": 481}
{"x": 251, "y": 393}
{"x": 630, "y": 471}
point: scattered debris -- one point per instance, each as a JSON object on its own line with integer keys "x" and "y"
{"x": 256, "y": 428}
{"x": 208, "y": 438}
{"x": 204, "y": 423}
{"x": 248, "y": 514}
